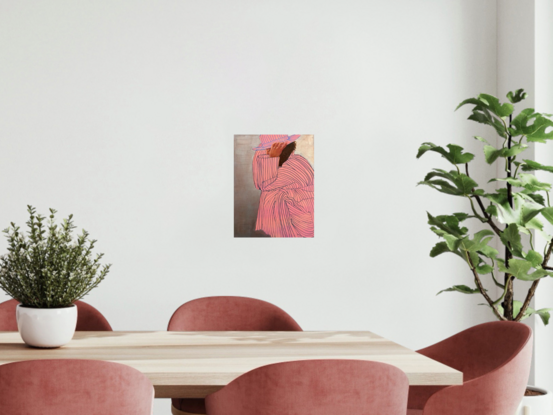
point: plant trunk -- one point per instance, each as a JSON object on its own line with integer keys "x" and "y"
{"x": 509, "y": 279}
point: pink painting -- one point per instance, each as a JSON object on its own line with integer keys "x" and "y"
{"x": 274, "y": 188}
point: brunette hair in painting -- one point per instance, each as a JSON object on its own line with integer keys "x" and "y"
{"x": 288, "y": 150}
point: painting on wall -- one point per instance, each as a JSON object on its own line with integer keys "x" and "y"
{"x": 274, "y": 186}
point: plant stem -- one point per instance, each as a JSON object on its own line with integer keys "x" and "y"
{"x": 482, "y": 290}
{"x": 509, "y": 294}
{"x": 488, "y": 217}
{"x": 532, "y": 289}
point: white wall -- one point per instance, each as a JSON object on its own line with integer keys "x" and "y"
{"x": 544, "y": 155}
{"x": 525, "y": 60}
{"x": 123, "y": 113}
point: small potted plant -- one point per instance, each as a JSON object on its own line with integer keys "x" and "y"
{"x": 47, "y": 271}
{"x": 510, "y": 214}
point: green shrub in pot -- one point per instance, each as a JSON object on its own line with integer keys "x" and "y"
{"x": 48, "y": 269}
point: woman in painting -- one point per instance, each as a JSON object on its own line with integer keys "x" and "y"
{"x": 286, "y": 181}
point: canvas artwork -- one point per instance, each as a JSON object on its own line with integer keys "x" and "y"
{"x": 274, "y": 186}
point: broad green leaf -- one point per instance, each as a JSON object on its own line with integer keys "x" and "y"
{"x": 438, "y": 249}
{"x": 541, "y": 130}
{"x": 452, "y": 242}
{"x": 534, "y": 258}
{"x": 491, "y": 154}
{"x": 527, "y": 181}
{"x": 461, "y": 289}
{"x": 519, "y": 268}
{"x": 483, "y": 116}
{"x": 484, "y": 269}
{"x": 473, "y": 101}
{"x": 455, "y": 154}
{"x": 493, "y": 104}
{"x": 461, "y": 216}
{"x": 448, "y": 224}
{"x": 453, "y": 220}
{"x": 536, "y": 197}
{"x": 519, "y": 125}
{"x": 543, "y": 312}
{"x": 479, "y": 243}
{"x": 531, "y": 165}
{"x": 517, "y": 306}
{"x": 464, "y": 183}
{"x": 536, "y": 275}
{"x": 516, "y": 96}
{"x": 471, "y": 245}
{"x": 484, "y": 106}
{"x": 483, "y": 233}
{"x": 492, "y": 210}
{"x": 456, "y": 184}
{"x": 529, "y": 212}
{"x": 535, "y": 126}
{"x": 548, "y": 214}
{"x": 442, "y": 186}
{"x": 482, "y": 139}
{"x": 513, "y": 151}
{"x": 511, "y": 238}
{"x": 522, "y": 213}
{"x": 533, "y": 224}
{"x": 544, "y": 315}
{"x": 489, "y": 252}
{"x": 478, "y": 192}
{"x": 499, "y": 198}
{"x": 438, "y": 173}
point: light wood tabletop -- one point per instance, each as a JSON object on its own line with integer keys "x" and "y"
{"x": 195, "y": 364}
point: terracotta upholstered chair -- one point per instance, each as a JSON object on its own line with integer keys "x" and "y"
{"x": 71, "y": 387}
{"x": 225, "y": 314}
{"x": 495, "y": 361}
{"x": 88, "y": 318}
{"x": 314, "y": 387}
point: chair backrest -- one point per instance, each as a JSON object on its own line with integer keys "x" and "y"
{"x": 482, "y": 348}
{"x": 495, "y": 359}
{"x": 69, "y": 387}
{"x": 88, "y": 318}
{"x": 314, "y": 387}
{"x": 231, "y": 314}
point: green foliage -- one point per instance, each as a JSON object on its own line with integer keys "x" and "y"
{"x": 455, "y": 154}
{"x": 512, "y": 212}
{"x": 47, "y": 268}
{"x": 461, "y": 289}
{"x": 516, "y": 96}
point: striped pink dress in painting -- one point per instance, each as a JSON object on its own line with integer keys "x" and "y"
{"x": 286, "y": 205}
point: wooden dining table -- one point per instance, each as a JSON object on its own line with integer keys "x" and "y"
{"x": 195, "y": 364}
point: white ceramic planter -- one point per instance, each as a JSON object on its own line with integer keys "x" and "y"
{"x": 46, "y": 327}
{"x": 536, "y": 405}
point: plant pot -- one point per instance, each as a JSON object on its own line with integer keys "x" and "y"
{"x": 536, "y": 405}
{"x": 46, "y": 327}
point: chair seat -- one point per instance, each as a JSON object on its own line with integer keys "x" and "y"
{"x": 414, "y": 412}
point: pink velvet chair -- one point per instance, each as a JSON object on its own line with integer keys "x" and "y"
{"x": 314, "y": 387}
{"x": 495, "y": 360}
{"x": 225, "y": 314}
{"x": 72, "y": 387}
{"x": 88, "y": 318}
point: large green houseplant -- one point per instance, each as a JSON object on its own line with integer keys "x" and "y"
{"x": 47, "y": 270}
{"x": 512, "y": 213}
